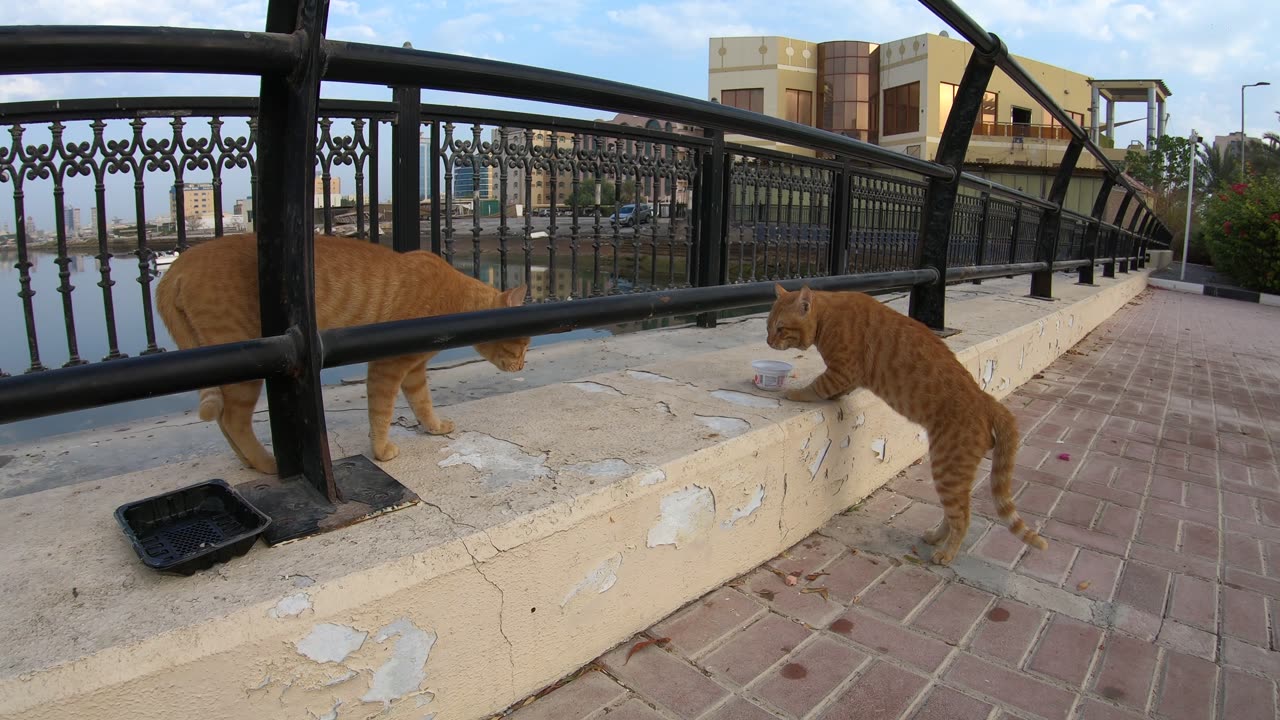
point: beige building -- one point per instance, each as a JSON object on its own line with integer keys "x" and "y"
{"x": 898, "y": 94}
{"x": 197, "y": 201}
{"x": 335, "y": 191}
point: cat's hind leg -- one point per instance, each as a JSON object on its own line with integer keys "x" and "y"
{"x": 417, "y": 391}
{"x": 954, "y": 467}
{"x": 385, "y": 378}
{"x": 236, "y": 423}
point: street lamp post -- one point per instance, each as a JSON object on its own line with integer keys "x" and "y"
{"x": 1242, "y": 137}
{"x": 1191, "y": 188}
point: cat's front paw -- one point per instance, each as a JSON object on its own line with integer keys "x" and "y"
{"x": 803, "y": 394}
{"x": 388, "y": 451}
{"x": 439, "y": 427}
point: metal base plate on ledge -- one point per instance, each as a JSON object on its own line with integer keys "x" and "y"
{"x": 945, "y": 332}
{"x": 297, "y": 510}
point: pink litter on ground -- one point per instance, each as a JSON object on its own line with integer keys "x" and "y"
{"x": 1064, "y": 456}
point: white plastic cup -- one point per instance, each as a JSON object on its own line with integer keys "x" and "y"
{"x": 770, "y": 374}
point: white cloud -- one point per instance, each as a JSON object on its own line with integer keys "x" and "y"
{"x": 684, "y": 25}
{"x": 14, "y": 88}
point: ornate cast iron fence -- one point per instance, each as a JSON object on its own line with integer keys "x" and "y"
{"x": 689, "y": 222}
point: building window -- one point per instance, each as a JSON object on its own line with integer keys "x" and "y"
{"x": 747, "y": 99}
{"x": 902, "y": 109}
{"x": 989, "y": 115}
{"x": 800, "y": 107}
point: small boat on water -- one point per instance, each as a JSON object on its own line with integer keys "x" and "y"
{"x": 164, "y": 258}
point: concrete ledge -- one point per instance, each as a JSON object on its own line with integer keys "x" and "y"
{"x": 559, "y": 521}
{"x": 1215, "y": 291}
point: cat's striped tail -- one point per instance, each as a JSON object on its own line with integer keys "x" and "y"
{"x": 169, "y": 303}
{"x": 1004, "y": 428}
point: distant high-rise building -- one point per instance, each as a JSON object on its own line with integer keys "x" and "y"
{"x": 71, "y": 220}
{"x": 197, "y": 200}
{"x": 335, "y": 191}
{"x": 424, "y": 167}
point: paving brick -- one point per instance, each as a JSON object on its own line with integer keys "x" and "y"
{"x": 944, "y": 703}
{"x": 634, "y": 709}
{"x": 735, "y": 709}
{"x": 1038, "y": 499}
{"x": 851, "y": 575}
{"x": 1076, "y": 509}
{"x": 1264, "y": 532}
{"x": 1200, "y": 497}
{"x": 1189, "y": 689}
{"x": 1050, "y": 564}
{"x": 883, "y": 692}
{"x": 1195, "y": 602}
{"x": 880, "y": 637}
{"x": 1246, "y": 697}
{"x": 1268, "y": 586}
{"x": 1115, "y": 496}
{"x": 1200, "y": 541}
{"x": 1239, "y": 506}
{"x": 1159, "y": 531}
{"x": 1093, "y": 710}
{"x": 586, "y": 694}
{"x": 706, "y": 620}
{"x": 1066, "y": 650}
{"x": 1008, "y": 630}
{"x": 1126, "y": 671}
{"x": 951, "y": 613}
{"x": 1167, "y": 489}
{"x": 1243, "y": 552}
{"x": 1101, "y": 572}
{"x": 1143, "y": 587}
{"x": 1175, "y": 562}
{"x": 813, "y": 552}
{"x": 1180, "y": 512}
{"x": 1244, "y": 615}
{"x": 918, "y": 519}
{"x": 808, "y": 676}
{"x": 999, "y": 546}
{"x": 901, "y": 591}
{"x": 750, "y": 652}
{"x": 665, "y": 679}
{"x": 1189, "y": 640}
{"x": 1020, "y": 691}
{"x": 1118, "y": 520}
{"x": 1238, "y": 653}
{"x": 1086, "y": 538}
{"x": 788, "y": 600}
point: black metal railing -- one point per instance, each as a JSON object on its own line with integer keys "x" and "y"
{"x": 630, "y": 223}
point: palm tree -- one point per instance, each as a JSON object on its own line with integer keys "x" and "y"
{"x": 1217, "y": 167}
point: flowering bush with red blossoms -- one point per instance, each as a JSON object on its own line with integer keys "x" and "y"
{"x": 1242, "y": 230}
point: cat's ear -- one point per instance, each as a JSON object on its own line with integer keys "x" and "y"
{"x": 779, "y": 291}
{"x": 806, "y": 300}
{"x": 513, "y": 297}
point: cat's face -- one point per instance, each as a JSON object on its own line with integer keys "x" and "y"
{"x": 791, "y": 320}
{"x": 506, "y": 355}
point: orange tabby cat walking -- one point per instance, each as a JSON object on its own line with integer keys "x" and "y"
{"x": 866, "y": 344}
{"x": 209, "y": 295}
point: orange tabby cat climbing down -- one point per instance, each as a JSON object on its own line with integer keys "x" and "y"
{"x": 209, "y": 295}
{"x": 865, "y": 344}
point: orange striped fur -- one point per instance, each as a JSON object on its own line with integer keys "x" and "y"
{"x": 865, "y": 344}
{"x": 209, "y": 295}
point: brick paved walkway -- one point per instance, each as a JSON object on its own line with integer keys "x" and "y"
{"x": 1159, "y": 595}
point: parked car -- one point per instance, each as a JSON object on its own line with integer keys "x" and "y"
{"x": 629, "y": 216}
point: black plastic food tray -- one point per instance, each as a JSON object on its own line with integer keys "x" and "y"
{"x": 190, "y": 529}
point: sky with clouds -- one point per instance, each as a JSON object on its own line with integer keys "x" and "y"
{"x": 1203, "y": 49}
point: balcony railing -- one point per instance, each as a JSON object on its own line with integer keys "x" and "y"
{"x": 864, "y": 218}
{"x": 1022, "y": 130}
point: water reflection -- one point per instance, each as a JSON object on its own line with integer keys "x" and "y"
{"x": 127, "y": 296}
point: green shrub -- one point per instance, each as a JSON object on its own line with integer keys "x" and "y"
{"x": 1242, "y": 230}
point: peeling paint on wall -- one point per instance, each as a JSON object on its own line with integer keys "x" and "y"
{"x": 922, "y": 436}
{"x": 753, "y": 504}
{"x": 988, "y": 370}
{"x": 407, "y": 667}
{"x": 1040, "y": 325}
{"x": 684, "y": 514}
{"x": 595, "y": 387}
{"x": 662, "y": 406}
{"x": 600, "y": 579}
{"x": 817, "y": 462}
{"x": 860, "y": 420}
{"x": 878, "y": 447}
{"x": 608, "y": 468}
{"x": 653, "y": 477}
{"x": 332, "y": 714}
{"x": 728, "y": 426}
{"x": 1022, "y": 356}
{"x": 291, "y": 606}
{"x": 500, "y": 463}
{"x": 745, "y": 399}
{"x": 1071, "y": 321}
{"x": 846, "y": 441}
{"x": 649, "y": 377}
{"x": 328, "y": 642}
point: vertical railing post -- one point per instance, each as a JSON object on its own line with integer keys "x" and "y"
{"x": 1139, "y": 215}
{"x": 712, "y": 202}
{"x": 1017, "y": 230}
{"x": 1113, "y": 238}
{"x": 406, "y": 229}
{"x": 286, "y": 263}
{"x": 433, "y": 185}
{"x": 980, "y": 255}
{"x": 1051, "y": 222}
{"x": 1147, "y": 228}
{"x": 928, "y": 302}
{"x": 838, "y": 257}
{"x": 1085, "y": 276}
